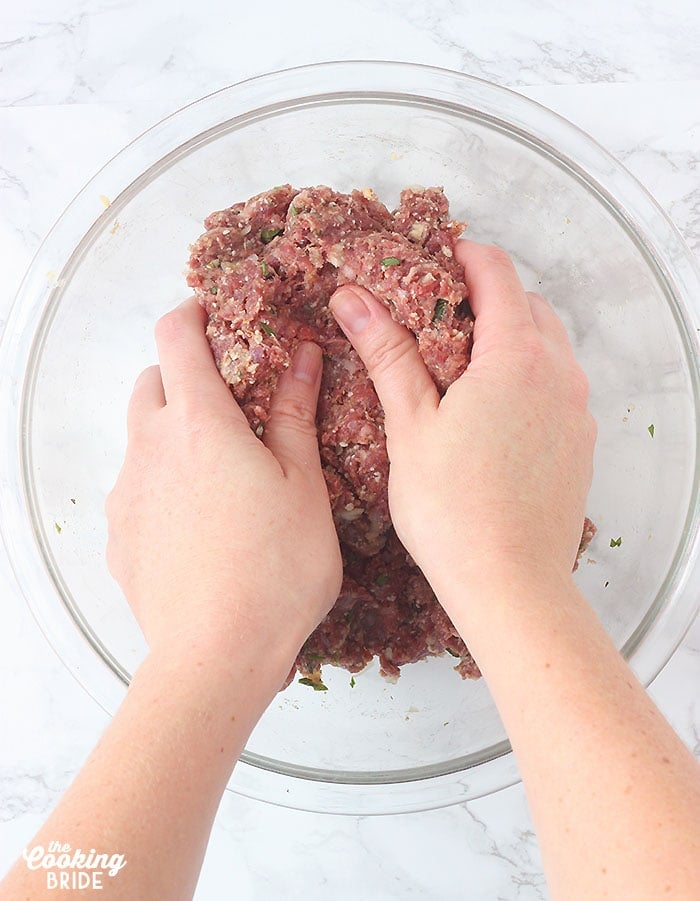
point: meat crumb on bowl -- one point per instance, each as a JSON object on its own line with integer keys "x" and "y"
{"x": 264, "y": 270}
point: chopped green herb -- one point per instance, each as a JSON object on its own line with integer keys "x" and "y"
{"x": 267, "y": 234}
{"x": 390, "y": 261}
{"x": 317, "y": 686}
{"x": 265, "y": 269}
{"x": 57, "y": 527}
{"x": 615, "y": 542}
{"x": 293, "y": 211}
{"x": 446, "y": 724}
{"x": 213, "y": 290}
{"x": 268, "y": 331}
{"x": 352, "y": 681}
{"x": 382, "y": 579}
{"x": 439, "y": 310}
{"x": 450, "y": 651}
{"x": 651, "y": 430}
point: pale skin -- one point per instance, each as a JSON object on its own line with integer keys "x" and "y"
{"x": 487, "y": 492}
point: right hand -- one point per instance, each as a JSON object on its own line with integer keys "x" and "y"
{"x": 494, "y": 476}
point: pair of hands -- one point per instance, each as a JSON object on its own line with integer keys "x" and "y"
{"x": 225, "y": 547}
{"x": 213, "y": 531}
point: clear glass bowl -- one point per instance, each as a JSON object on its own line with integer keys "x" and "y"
{"x": 582, "y": 231}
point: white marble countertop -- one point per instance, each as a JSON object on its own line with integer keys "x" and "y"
{"x": 81, "y": 78}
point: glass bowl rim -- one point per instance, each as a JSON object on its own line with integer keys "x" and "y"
{"x": 637, "y": 212}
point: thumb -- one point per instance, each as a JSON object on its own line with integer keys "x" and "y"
{"x": 290, "y": 432}
{"x": 390, "y": 353}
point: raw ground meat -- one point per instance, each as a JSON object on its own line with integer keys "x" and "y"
{"x": 264, "y": 270}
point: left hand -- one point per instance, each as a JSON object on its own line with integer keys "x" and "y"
{"x": 213, "y": 532}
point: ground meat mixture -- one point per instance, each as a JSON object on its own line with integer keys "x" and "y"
{"x": 264, "y": 270}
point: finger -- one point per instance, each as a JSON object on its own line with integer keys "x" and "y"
{"x": 547, "y": 320}
{"x": 187, "y": 366}
{"x": 496, "y": 294}
{"x": 146, "y": 399}
{"x": 390, "y": 353}
{"x": 290, "y": 432}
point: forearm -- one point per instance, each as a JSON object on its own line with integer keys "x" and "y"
{"x": 614, "y": 794}
{"x": 151, "y": 787}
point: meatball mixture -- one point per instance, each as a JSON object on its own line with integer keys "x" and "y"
{"x": 265, "y": 270}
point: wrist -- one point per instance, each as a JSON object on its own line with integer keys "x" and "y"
{"x": 499, "y": 587}
{"x": 209, "y": 667}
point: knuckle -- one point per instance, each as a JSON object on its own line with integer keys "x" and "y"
{"x": 580, "y": 387}
{"x": 531, "y": 347}
{"x": 196, "y": 406}
{"x": 190, "y": 408}
{"x": 535, "y": 297}
{"x": 170, "y": 325}
{"x": 386, "y": 351}
{"x": 141, "y": 380}
{"x": 135, "y": 425}
{"x": 294, "y": 413}
{"x": 113, "y": 510}
{"x": 496, "y": 256}
{"x": 140, "y": 388}
{"x": 110, "y": 504}
{"x": 111, "y": 557}
{"x": 145, "y": 377}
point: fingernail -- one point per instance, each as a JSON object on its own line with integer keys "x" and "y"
{"x": 306, "y": 362}
{"x": 350, "y": 311}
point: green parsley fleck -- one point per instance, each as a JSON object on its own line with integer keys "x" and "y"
{"x": 265, "y": 269}
{"x": 316, "y": 685}
{"x": 267, "y": 234}
{"x": 615, "y": 542}
{"x": 213, "y": 290}
{"x": 268, "y": 331}
{"x": 390, "y": 261}
{"x": 450, "y": 651}
{"x": 651, "y": 430}
{"x": 382, "y": 579}
{"x": 293, "y": 211}
{"x": 352, "y": 682}
{"x": 439, "y": 310}
{"x": 58, "y": 528}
